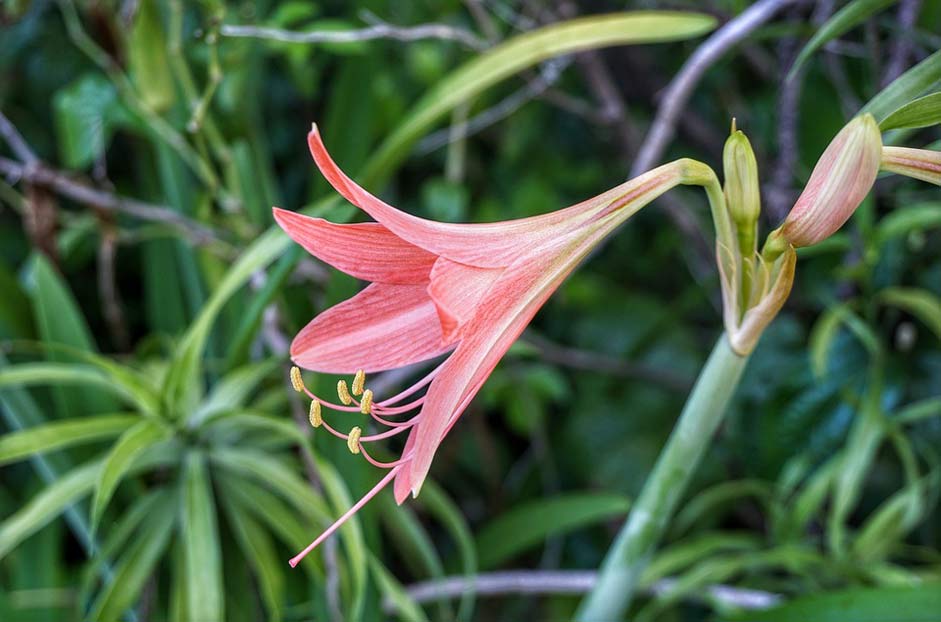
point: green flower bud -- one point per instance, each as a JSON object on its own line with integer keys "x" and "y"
{"x": 742, "y": 194}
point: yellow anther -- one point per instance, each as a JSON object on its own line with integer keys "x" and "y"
{"x": 296, "y": 381}
{"x": 365, "y": 404}
{"x": 315, "y": 417}
{"x": 352, "y": 441}
{"x": 359, "y": 381}
{"x": 344, "y": 393}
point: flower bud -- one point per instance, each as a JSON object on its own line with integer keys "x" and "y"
{"x": 920, "y": 164}
{"x": 839, "y": 182}
{"x": 742, "y": 194}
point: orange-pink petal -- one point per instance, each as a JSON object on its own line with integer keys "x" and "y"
{"x": 456, "y": 290}
{"x": 383, "y": 327}
{"x": 486, "y": 245}
{"x": 367, "y": 250}
{"x": 501, "y": 317}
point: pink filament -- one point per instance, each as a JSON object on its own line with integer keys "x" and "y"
{"x": 412, "y": 389}
{"x": 339, "y": 522}
{"x": 382, "y": 465}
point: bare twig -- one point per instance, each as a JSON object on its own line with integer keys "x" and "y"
{"x": 780, "y": 193}
{"x": 680, "y": 89}
{"x": 112, "y": 309}
{"x": 551, "y": 70}
{"x": 596, "y": 361}
{"x": 18, "y": 145}
{"x": 379, "y": 30}
{"x": 41, "y": 175}
{"x": 902, "y": 47}
{"x": 564, "y": 582}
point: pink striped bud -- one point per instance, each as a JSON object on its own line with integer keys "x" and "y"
{"x": 840, "y": 181}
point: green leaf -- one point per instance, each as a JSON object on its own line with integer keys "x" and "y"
{"x": 352, "y": 533}
{"x": 828, "y": 326}
{"x": 904, "y": 220}
{"x": 923, "y": 409}
{"x": 919, "y": 302}
{"x": 202, "y": 555}
{"x": 293, "y": 526}
{"x": 29, "y": 374}
{"x": 61, "y": 434}
{"x": 530, "y": 524}
{"x": 258, "y": 550}
{"x": 251, "y": 317}
{"x": 85, "y": 114}
{"x": 393, "y": 591}
{"x": 15, "y": 320}
{"x": 890, "y": 604}
{"x": 695, "y": 511}
{"x": 277, "y": 476}
{"x": 446, "y": 511}
{"x": 137, "y": 563}
{"x": 126, "y": 450}
{"x": 47, "y": 505}
{"x": 59, "y": 320}
{"x": 147, "y": 57}
{"x": 232, "y": 390}
{"x": 906, "y": 87}
{"x": 843, "y": 20}
{"x": 922, "y": 112}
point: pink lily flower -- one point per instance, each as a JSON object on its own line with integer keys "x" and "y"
{"x": 467, "y": 289}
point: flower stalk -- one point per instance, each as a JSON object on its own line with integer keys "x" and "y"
{"x": 649, "y": 517}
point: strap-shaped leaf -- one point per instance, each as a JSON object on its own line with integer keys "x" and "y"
{"x": 137, "y": 563}
{"x": 201, "y": 550}
{"x": 47, "y": 505}
{"x": 126, "y": 450}
{"x": 843, "y": 20}
{"x": 922, "y": 112}
{"x": 61, "y": 434}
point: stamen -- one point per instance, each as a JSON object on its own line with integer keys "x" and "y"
{"x": 387, "y": 433}
{"x": 359, "y": 381}
{"x": 398, "y": 410}
{"x": 412, "y": 389}
{"x": 352, "y": 441}
{"x": 344, "y": 393}
{"x": 365, "y": 405}
{"x": 383, "y": 465}
{"x": 391, "y": 424}
{"x": 316, "y": 419}
{"x": 296, "y": 381}
{"x": 353, "y": 510}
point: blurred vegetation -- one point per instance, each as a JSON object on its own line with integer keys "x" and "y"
{"x": 143, "y": 370}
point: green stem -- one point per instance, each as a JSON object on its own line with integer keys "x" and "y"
{"x": 628, "y": 556}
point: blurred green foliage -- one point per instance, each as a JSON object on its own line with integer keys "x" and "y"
{"x": 143, "y": 381}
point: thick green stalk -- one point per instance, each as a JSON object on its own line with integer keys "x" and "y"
{"x": 628, "y": 556}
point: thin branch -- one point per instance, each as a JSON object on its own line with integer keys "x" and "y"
{"x": 379, "y": 30}
{"x": 585, "y": 360}
{"x": 680, "y": 89}
{"x": 41, "y": 175}
{"x": 512, "y": 582}
{"x": 18, "y": 145}
{"x": 780, "y": 193}
{"x": 550, "y": 73}
{"x": 902, "y": 48}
